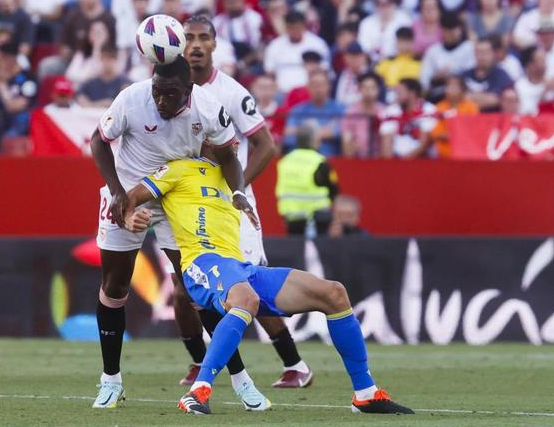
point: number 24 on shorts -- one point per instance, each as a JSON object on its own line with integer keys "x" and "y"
{"x": 105, "y": 211}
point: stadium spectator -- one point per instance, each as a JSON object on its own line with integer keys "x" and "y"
{"x": 489, "y": 20}
{"x": 453, "y": 56}
{"x": 264, "y": 89}
{"x": 18, "y": 91}
{"x": 525, "y": 30}
{"x": 241, "y": 26}
{"x": 377, "y": 31}
{"x": 405, "y": 131}
{"x": 427, "y": 28}
{"x": 283, "y": 55}
{"x": 454, "y": 103}
{"x": 346, "y": 214}
{"x": 101, "y": 91}
{"x": 509, "y": 101}
{"x": 128, "y": 15}
{"x": 545, "y": 38}
{"x": 75, "y": 33}
{"x": 175, "y": 9}
{"x": 276, "y": 11}
{"x": 86, "y": 63}
{"x": 356, "y": 64}
{"x": 346, "y": 34}
{"x": 533, "y": 88}
{"x": 404, "y": 65}
{"x": 306, "y": 185}
{"x": 321, "y": 109}
{"x": 16, "y": 29}
{"x": 46, "y": 16}
{"x": 487, "y": 80}
{"x": 311, "y": 61}
{"x": 62, "y": 95}
{"x": 360, "y": 126}
{"x": 506, "y": 60}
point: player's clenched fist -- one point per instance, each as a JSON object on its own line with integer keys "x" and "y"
{"x": 138, "y": 221}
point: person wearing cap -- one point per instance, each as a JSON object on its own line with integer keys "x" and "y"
{"x": 545, "y": 39}
{"x": 356, "y": 63}
{"x": 453, "y": 56}
{"x": 283, "y": 55}
{"x": 62, "y": 94}
{"x": 525, "y": 30}
{"x": 404, "y": 65}
{"x": 18, "y": 91}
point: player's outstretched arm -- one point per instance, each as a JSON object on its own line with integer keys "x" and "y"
{"x": 263, "y": 150}
{"x": 137, "y": 220}
{"x": 103, "y": 157}
{"x": 233, "y": 174}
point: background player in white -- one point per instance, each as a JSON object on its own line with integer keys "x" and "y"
{"x": 253, "y": 133}
{"x": 159, "y": 119}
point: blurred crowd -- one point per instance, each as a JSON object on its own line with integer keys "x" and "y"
{"x": 377, "y": 78}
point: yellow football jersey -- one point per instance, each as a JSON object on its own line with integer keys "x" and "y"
{"x": 198, "y": 205}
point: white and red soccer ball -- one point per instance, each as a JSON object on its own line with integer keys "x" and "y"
{"x": 160, "y": 39}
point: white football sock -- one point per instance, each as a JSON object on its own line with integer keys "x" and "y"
{"x": 366, "y": 393}
{"x": 300, "y": 367}
{"x": 105, "y": 378}
{"x": 198, "y": 384}
{"x": 237, "y": 380}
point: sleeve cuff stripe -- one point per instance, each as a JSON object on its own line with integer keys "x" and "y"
{"x": 254, "y": 129}
{"x": 230, "y": 142}
{"x": 104, "y": 137}
{"x": 147, "y": 182}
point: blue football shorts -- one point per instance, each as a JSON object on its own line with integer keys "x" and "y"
{"x": 209, "y": 278}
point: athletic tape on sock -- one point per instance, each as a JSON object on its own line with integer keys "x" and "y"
{"x": 340, "y": 315}
{"x": 111, "y": 302}
{"x": 242, "y": 314}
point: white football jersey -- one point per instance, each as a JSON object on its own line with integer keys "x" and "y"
{"x": 149, "y": 142}
{"x": 241, "y": 106}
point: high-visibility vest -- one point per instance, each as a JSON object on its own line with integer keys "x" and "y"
{"x": 298, "y": 196}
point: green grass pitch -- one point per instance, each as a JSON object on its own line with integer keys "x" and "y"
{"x": 52, "y": 383}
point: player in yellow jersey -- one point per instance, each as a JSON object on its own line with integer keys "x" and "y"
{"x": 198, "y": 204}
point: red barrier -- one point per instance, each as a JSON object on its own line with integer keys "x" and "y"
{"x": 59, "y": 196}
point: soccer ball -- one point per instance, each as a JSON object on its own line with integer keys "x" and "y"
{"x": 160, "y": 39}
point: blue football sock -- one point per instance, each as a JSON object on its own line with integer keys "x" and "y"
{"x": 348, "y": 340}
{"x": 225, "y": 340}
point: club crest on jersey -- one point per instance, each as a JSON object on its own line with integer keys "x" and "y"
{"x": 224, "y": 118}
{"x": 202, "y": 171}
{"x": 150, "y": 129}
{"x": 248, "y": 105}
{"x": 161, "y": 171}
{"x": 196, "y": 128}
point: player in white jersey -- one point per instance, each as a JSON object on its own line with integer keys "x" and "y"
{"x": 158, "y": 120}
{"x": 252, "y": 132}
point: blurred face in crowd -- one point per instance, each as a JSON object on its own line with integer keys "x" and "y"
{"x": 8, "y": 5}
{"x": 89, "y": 4}
{"x": 484, "y": 56}
{"x": 404, "y": 96}
{"x": 430, "y": 12}
{"x": 264, "y": 90}
{"x": 110, "y": 65}
{"x": 98, "y": 33}
{"x": 344, "y": 38}
{"x": 451, "y": 36}
{"x": 141, "y": 7}
{"x": 355, "y": 62}
{"x": 384, "y": 8}
{"x": 8, "y": 66}
{"x": 546, "y": 6}
{"x": 489, "y": 5}
{"x": 234, "y": 7}
{"x": 200, "y": 45}
{"x": 509, "y": 101}
{"x": 172, "y": 8}
{"x": 277, "y": 8}
{"x": 346, "y": 212}
{"x": 369, "y": 89}
{"x": 454, "y": 90}
{"x": 318, "y": 86}
{"x": 546, "y": 39}
{"x": 296, "y": 31}
{"x": 311, "y": 66}
{"x": 405, "y": 46}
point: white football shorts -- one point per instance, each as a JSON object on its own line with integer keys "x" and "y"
{"x": 112, "y": 238}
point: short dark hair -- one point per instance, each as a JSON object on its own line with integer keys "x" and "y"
{"x": 179, "y": 68}
{"x": 496, "y": 41}
{"x": 488, "y": 40}
{"x": 312, "y": 56}
{"x": 526, "y": 55}
{"x": 9, "y": 49}
{"x": 317, "y": 71}
{"x": 109, "y": 50}
{"x": 405, "y": 33}
{"x": 458, "y": 78}
{"x": 204, "y": 20}
{"x": 450, "y": 20}
{"x": 295, "y": 17}
{"x": 370, "y": 76}
{"x": 348, "y": 27}
{"x": 412, "y": 85}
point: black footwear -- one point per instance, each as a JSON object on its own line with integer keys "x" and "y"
{"x": 380, "y": 404}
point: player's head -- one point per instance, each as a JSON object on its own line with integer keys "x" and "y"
{"x": 200, "y": 35}
{"x": 171, "y": 87}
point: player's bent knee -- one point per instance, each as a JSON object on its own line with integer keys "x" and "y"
{"x": 337, "y": 297}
